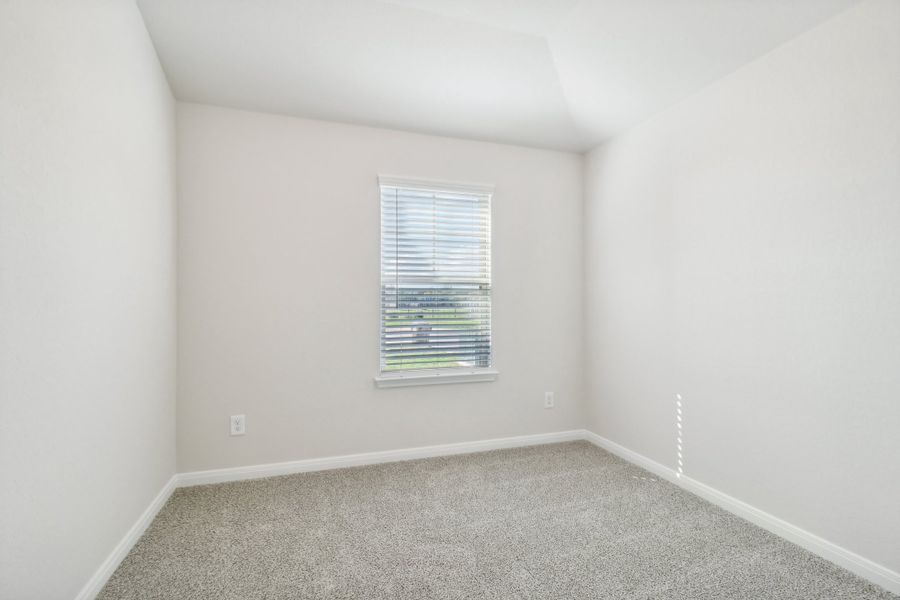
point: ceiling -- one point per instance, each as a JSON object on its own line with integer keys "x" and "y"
{"x": 564, "y": 74}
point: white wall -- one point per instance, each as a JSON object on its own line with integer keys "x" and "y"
{"x": 87, "y": 298}
{"x": 743, "y": 249}
{"x": 279, "y": 290}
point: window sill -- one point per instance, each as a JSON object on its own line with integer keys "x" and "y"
{"x": 424, "y": 377}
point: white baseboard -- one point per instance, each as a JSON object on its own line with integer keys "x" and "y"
{"x": 102, "y": 575}
{"x": 865, "y": 568}
{"x": 640, "y": 460}
{"x": 371, "y": 458}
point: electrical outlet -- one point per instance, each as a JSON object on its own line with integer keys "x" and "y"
{"x": 238, "y": 425}
{"x": 549, "y": 400}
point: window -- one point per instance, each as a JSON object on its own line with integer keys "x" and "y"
{"x": 435, "y": 283}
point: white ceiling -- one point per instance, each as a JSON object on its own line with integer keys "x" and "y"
{"x": 564, "y": 74}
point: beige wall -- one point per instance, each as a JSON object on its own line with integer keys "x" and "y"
{"x": 279, "y": 290}
{"x": 742, "y": 249}
{"x": 87, "y": 288}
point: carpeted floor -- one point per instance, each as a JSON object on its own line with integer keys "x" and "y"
{"x": 564, "y": 521}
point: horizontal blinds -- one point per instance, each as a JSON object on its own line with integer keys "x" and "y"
{"x": 435, "y": 279}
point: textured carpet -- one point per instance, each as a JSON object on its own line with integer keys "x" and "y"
{"x": 566, "y": 521}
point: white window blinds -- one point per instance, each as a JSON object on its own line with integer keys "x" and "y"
{"x": 435, "y": 276}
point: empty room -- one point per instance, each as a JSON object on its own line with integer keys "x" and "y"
{"x": 449, "y": 299}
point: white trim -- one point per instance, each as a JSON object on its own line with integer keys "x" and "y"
{"x": 102, "y": 575}
{"x": 434, "y": 185}
{"x": 434, "y": 376}
{"x": 872, "y": 571}
{"x": 640, "y": 460}
{"x": 371, "y": 458}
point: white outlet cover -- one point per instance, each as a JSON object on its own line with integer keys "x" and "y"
{"x": 549, "y": 400}
{"x": 238, "y": 424}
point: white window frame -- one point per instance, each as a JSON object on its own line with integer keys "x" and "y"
{"x": 390, "y": 379}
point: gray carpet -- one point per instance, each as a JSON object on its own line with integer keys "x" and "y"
{"x": 566, "y": 521}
